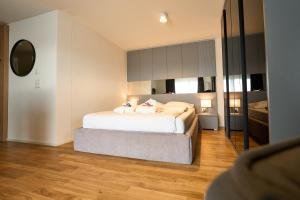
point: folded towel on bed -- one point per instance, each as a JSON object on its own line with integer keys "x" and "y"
{"x": 150, "y": 106}
{"x": 124, "y": 109}
{"x": 152, "y": 102}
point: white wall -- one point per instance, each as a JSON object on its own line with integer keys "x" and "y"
{"x": 94, "y": 69}
{"x": 219, "y": 81}
{"x": 31, "y": 111}
{"x": 139, "y": 87}
{"x": 79, "y": 72}
{"x": 282, "y": 30}
{"x": 64, "y": 80}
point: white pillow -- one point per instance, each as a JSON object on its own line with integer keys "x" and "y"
{"x": 261, "y": 104}
{"x": 179, "y": 109}
{"x": 145, "y": 109}
{"x": 179, "y": 104}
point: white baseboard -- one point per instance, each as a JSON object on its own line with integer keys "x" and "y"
{"x": 31, "y": 142}
{"x": 67, "y": 140}
{"x": 53, "y": 144}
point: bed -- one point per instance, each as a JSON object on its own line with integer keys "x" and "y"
{"x": 258, "y": 122}
{"x": 162, "y": 122}
{"x": 161, "y": 136}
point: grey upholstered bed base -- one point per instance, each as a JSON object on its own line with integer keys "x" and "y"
{"x": 175, "y": 148}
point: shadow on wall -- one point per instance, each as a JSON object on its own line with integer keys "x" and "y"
{"x": 35, "y": 120}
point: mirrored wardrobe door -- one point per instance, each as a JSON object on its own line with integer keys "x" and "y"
{"x": 235, "y": 76}
{"x": 225, "y": 72}
{"x": 256, "y": 73}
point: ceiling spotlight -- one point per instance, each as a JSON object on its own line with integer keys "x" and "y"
{"x": 163, "y": 18}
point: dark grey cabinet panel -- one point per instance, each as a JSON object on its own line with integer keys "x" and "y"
{"x": 261, "y": 65}
{"x": 189, "y": 59}
{"x": 251, "y": 54}
{"x": 207, "y": 58}
{"x": 255, "y": 53}
{"x": 160, "y": 63}
{"x": 146, "y": 64}
{"x": 174, "y": 61}
{"x": 230, "y": 58}
{"x": 133, "y": 66}
{"x": 236, "y": 122}
{"x": 234, "y": 62}
{"x": 236, "y": 68}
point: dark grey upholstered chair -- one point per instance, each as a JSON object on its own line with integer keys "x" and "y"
{"x": 268, "y": 173}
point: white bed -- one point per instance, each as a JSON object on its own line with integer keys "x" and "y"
{"x": 165, "y": 132}
{"x": 161, "y": 122}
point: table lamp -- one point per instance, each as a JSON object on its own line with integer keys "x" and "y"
{"x": 205, "y": 104}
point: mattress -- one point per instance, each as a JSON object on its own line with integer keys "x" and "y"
{"x": 154, "y": 122}
{"x": 259, "y": 114}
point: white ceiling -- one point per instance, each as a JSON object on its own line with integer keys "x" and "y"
{"x": 14, "y": 10}
{"x": 131, "y": 24}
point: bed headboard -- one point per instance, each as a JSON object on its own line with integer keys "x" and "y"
{"x": 189, "y": 98}
{"x": 253, "y": 96}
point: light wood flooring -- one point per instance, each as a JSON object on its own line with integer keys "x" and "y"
{"x": 43, "y": 173}
{"x": 237, "y": 139}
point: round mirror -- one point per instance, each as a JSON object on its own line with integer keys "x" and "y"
{"x": 22, "y": 58}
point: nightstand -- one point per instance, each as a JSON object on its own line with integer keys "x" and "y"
{"x": 236, "y": 121}
{"x": 208, "y": 121}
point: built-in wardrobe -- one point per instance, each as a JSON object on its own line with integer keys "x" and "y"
{"x": 180, "y": 72}
{"x": 244, "y": 69}
{"x": 195, "y": 59}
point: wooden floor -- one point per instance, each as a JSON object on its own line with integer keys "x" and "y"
{"x": 39, "y": 172}
{"x": 237, "y": 140}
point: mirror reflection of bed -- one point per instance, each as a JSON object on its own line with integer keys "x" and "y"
{"x": 258, "y": 122}
{"x": 258, "y": 128}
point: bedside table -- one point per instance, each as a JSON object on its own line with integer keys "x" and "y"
{"x": 208, "y": 121}
{"x": 236, "y": 121}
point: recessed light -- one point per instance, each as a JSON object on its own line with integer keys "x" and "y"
{"x": 163, "y": 18}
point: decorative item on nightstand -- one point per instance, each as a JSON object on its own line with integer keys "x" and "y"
{"x": 205, "y": 104}
{"x": 235, "y": 104}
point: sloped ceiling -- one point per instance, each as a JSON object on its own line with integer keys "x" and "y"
{"x": 131, "y": 24}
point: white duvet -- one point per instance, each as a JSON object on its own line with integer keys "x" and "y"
{"x": 168, "y": 121}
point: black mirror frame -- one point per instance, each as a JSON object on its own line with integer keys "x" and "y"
{"x": 11, "y": 60}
